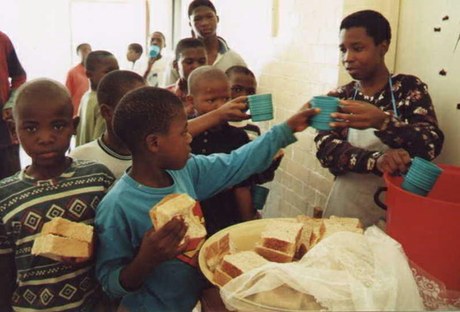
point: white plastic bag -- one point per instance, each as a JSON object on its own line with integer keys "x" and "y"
{"x": 344, "y": 272}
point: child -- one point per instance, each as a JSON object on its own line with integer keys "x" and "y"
{"x": 209, "y": 89}
{"x": 108, "y": 149}
{"x": 135, "y": 261}
{"x": 190, "y": 54}
{"x": 156, "y": 66}
{"x": 77, "y": 82}
{"x": 53, "y": 185}
{"x": 134, "y": 57}
{"x": 386, "y": 119}
{"x": 91, "y": 126}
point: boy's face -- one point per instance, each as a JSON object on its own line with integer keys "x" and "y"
{"x": 45, "y": 129}
{"x": 361, "y": 57}
{"x": 174, "y": 147}
{"x": 157, "y": 39}
{"x": 242, "y": 84}
{"x": 190, "y": 59}
{"x": 203, "y": 22}
{"x": 210, "y": 95}
{"x": 132, "y": 55}
{"x": 107, "y": 65}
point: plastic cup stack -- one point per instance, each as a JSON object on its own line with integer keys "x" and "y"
{"x": 261, "y": 107}
{"x": 327, "y": 105}
{"x": 421, "y": 177}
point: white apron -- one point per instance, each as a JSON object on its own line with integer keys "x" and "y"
{"x": 352, "y": 194}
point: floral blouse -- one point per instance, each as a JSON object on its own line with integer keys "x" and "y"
{"x": 415, "y": 129}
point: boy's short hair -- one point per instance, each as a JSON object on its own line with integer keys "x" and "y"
{"x": 114, "y": 85}
{"x": 376, "y": 25}
{"x": 198, "y": 3}
{"x": 81, "y": 46}
{"x": 95, "y": 57}
{"x": 144, "y": 111}
{"x": 238, "y": 69}
{"x": 188, "y": 43}
{"x": 47, "y": 88}
{"x": 136, "y": 47}
{"x": 206, "y": 72}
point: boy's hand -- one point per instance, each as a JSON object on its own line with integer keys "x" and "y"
{"x": 299, "y": 121}
{"x": 163, "y": 244}
{"x": 359, "y": 115}
{"x": 74, "y": 260}
{"x": 394, "y": 160}
{"x": 234, "y": 110}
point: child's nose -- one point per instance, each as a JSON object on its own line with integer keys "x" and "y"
{"x": 46, "y": 137}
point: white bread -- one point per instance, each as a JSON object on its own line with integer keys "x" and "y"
{"x": 281, "y": 236}
{"x": 63, "y": 227}
{"x": 220, "y": 277}
{"x": 55, "y": 247}
{"x": 274, "y": 255}
{"x": 310, "y": 235}
{"x": 334, "y": 225}
{"x": 181, "y": 205}
{"x": 241, "y": 262}
{"x": 216, "y": 251}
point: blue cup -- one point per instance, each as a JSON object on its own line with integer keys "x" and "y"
{"x": 422, "y": 174}
{"x": 327, "y": 105}
{"x": 154, "y": 50}
{"x": 408, "y": 186}
{"x": 261, "y": 107}
{"x": 259, "y": 196}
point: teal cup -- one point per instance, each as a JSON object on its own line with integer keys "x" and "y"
{"x": 423, "y": 174}
{"x": 327, "y": 105}
{"x": 261, "y": 107}
{"x": 154, "y": 51}
{"x": 259, "y": 196}
{"x": 408, "y": 186}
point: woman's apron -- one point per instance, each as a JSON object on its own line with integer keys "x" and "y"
{"x": 352, "y": 194}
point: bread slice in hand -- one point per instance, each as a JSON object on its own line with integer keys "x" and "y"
{"x": 63, "y": 227}
{"x": 181, "y": 205}
{"x": 55, "y": 247}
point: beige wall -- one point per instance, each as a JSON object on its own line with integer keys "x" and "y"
{"x": 423, "y": 52}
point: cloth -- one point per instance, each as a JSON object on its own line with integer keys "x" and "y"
{"x": 222, "y": 140}
{"x": 416, "y": 130}
{"x": 25, "y": 205}
{"x": 226, "y": 58}
{"x": 155, "y": 77}
{"x": 91, "y": 125}
{"x": 139, "y": 66}
{"x": 10, "y": 68}
{"x": 77, "y": 83}
{"x": 97, "y": 150}
{"x": 122, "y": 219}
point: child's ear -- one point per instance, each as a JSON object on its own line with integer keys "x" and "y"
{"x": 217, "y": 17}
{"x": 175, "y": 65}
{"x": 384, "y": 46}
{"x": 152, "y": 143}
{"x": 89, "y": 73}
{"x": 75, "y": 122}
{"x": 12, "y": 127}
{"x": 106, "y": 111}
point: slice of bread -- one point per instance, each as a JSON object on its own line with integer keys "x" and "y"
{"x": 216, "y": 251}
{"x": 310, "y": 234}
{"x": 241, "y": 262}
{"x": 55, "y": 247}
{"x": 63, "y": 227}
{"x": 334, "y": 225}
{"x": 273, "y": 255}
{"x": 220, "y": 277}
{"x": 185, "y": 206}
{"x": 281, "y": 236}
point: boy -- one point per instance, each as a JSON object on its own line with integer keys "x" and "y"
{"x": 91, "y": 126}
{"x": 135, "y": 261}
{"x": 53, "y": 185}
{"x": 190, "y": 54}
{"x": 108, "y": 149}
{"x": 156, "y": 66}
{"x": 209, "y": 89}
{"x": 134, "y": 57}
{"x": 385, "y": 120}
{"x": 77, "y": 82}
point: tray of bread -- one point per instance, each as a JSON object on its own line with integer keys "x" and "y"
{"x": 245, "y": 246}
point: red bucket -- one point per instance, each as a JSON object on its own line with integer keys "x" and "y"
{"x": 428, "y": 227}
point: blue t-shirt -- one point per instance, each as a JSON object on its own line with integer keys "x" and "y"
{"x": 122, "y": 218}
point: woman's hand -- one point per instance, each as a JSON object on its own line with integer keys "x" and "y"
{"x": 358, "y": 115}
{"x": 394, "y": 160}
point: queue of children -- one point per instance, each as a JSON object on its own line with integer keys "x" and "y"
{"x": 147, "y": 143}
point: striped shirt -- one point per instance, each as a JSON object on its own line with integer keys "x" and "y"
{"x": 25, "y": 205}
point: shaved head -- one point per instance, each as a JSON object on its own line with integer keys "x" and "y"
{"x": 203, "y": 74}
{"x": 41, "y": 92}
